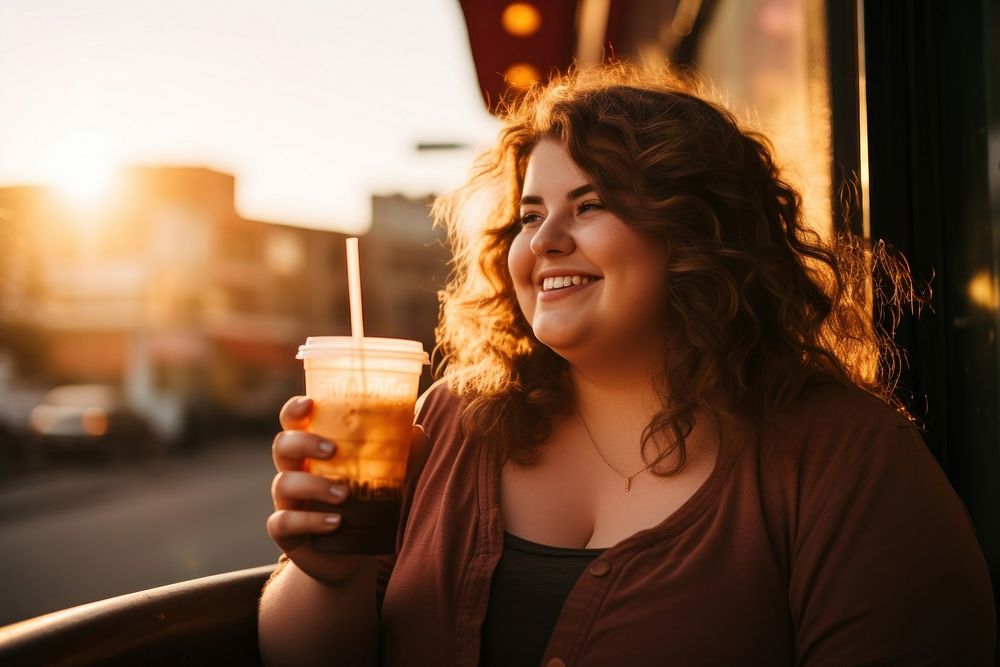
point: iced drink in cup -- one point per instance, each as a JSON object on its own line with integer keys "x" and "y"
{"x": 363, "y": 392}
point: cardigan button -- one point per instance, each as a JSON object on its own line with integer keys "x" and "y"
{"x": 556, "y": 662}
{"x": 600, "y": 567}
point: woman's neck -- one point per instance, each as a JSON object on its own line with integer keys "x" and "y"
{"x": 615, "y": 401}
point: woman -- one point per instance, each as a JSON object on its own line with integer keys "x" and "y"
{"x": 663, "y": 434}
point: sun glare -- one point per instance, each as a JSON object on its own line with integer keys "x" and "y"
{"x": 99, "y": 87}
{"x": 82, "y": 170}
{"x": 87, "y": 185}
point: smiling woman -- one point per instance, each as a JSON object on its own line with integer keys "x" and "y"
{"x": 662, "y": 428}
{"x": 585, "y": 279}
{"x": 716, "y": 281}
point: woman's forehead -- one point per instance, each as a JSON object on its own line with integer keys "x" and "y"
{"x": 550, "y": 165}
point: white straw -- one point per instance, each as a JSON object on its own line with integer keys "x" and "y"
{"x": 354, "y": 289}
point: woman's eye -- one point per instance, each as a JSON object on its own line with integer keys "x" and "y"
{"x": 592, "y": 205}
{"x": 530, "y": 218}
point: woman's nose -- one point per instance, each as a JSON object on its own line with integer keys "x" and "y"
{"x": 552, "y": 238}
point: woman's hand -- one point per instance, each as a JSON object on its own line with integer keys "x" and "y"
{"x": 292, "y": 523}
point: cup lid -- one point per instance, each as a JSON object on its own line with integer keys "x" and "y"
{"x": 397, "y": 348}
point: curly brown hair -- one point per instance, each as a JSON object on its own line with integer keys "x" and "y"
{"x": 763, "y": 306}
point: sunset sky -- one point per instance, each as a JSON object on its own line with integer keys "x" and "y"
{"x": 312, "y": 105}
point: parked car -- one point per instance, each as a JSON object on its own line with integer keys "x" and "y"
{"x": 89, "y": 419}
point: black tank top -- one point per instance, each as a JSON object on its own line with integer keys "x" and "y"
{"x": 529, "y": 586}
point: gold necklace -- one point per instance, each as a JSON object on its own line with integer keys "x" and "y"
{"x": 628, "y": 478}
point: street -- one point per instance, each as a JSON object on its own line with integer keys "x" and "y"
{"x": 81, "y": 532}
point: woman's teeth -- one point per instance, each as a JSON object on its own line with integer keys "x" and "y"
{"x": 558, "y": 282}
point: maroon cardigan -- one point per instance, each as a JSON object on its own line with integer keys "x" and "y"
{"x": 834, "y": 540}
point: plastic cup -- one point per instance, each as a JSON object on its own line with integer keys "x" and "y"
{"x": 363, "y": 393}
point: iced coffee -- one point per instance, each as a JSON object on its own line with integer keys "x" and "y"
{"x": 363, "y": 392}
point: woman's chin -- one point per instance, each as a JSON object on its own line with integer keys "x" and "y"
{"x": 569, "y": 347}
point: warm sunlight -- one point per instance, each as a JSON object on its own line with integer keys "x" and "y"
{"x": 311, "y": 106}
{"x": 85, "y": 184}
{"x": 80, "y": 167}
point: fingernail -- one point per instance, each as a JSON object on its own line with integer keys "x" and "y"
{"x": 332, "y": 520}
{"x": 338, "y": 492}
{"x": 325, "y": 447}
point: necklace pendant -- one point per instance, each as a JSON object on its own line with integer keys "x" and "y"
{"x": 628, "y": 484}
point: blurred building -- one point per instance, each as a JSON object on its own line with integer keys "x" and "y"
{"x": 20, "y": 279}
{"x": 404, "y": 265}
{"x": 196, "y": 312}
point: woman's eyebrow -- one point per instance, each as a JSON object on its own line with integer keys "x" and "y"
{"x": 570, "y": 196}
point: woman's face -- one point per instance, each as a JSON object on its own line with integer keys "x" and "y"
{"x": 588, "y": 283}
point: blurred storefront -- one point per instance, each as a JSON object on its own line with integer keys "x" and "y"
{"x": 192, "y": 310}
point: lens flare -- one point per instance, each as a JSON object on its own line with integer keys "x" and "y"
{"x": 521, "y": 19}
{"x": 521, "y": 75}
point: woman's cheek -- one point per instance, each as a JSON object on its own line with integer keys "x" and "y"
{"x": 520, "y": 263}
